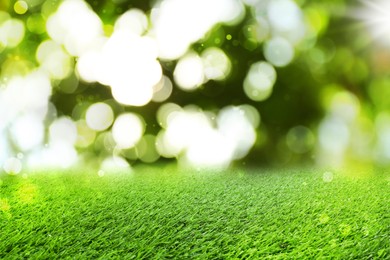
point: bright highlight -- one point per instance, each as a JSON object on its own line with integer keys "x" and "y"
{"x": 99, "y": 116}
{"x": 259, "y": 81}
{"x": 127, "y": 130}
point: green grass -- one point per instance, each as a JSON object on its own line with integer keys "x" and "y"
{"x": 158, "y": 213}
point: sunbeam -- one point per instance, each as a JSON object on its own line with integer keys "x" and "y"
{"x": 376, "y": 16}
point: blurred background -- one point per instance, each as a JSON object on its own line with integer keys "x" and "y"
{"x": 209, "y": 84}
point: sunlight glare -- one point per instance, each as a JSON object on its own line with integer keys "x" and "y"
{"x": 376, "y": 15}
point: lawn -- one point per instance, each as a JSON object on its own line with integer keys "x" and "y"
{"x": 159, "y": 212}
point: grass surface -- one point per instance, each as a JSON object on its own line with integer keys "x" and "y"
{"x": 159, "y": 213}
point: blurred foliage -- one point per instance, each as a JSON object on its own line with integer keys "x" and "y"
{"x": 336, "y": 55}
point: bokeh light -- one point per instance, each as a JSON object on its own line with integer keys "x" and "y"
{"x": 36, "y": 89}
{"x": 53, "y": 58}
{"x": 146, "y": 149}
{"x": 278, "y": 51}
{"x": 85, "y": 80}
{"x": 284, "y": 15}
{"x": 164, "y": 113}
{"x": 203, "y": 141}
{"x": 85, "y": 135}
{"x": 11, "y": 33}
{"x": 259, "y": 81}
{"x": 133, "y": 21}
{"x": 382, "y": 126}
{"x": 36, "y": 23}
{"x": 334, "y": 137}
{"x": 63, "y": 130}
{"x": 300, "y": 139}
{"x": 12, "y": 166}
{"x": 345, "y": 105}
{"x": 99, "y": 116}
{"x": 216, "y": 64}
{"x": 327, "y": 177}
{"x": 166, "y": 28}
{"x": 114, "y": 165}
{"x": 189, "y": 72}
{"x": 127, "y": 130}
{"x": 237, "y": 128}
{"x": 75, "y": 26}
{"x": 20, "y": 7}
{"x": 126, "y": 62}
{"x": 162, "y": 90}
{"x": 28, "y": 131}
